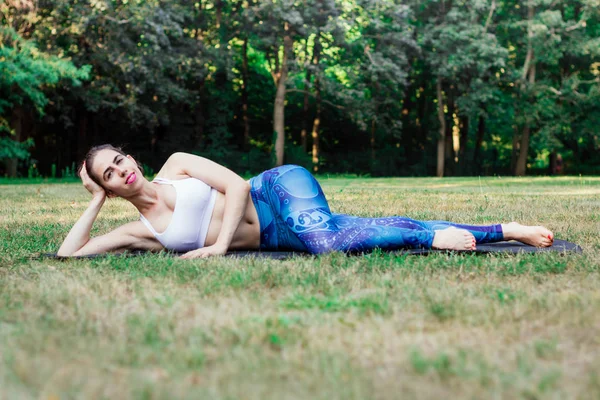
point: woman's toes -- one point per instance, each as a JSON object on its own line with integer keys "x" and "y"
{"x": 470, "y": 241}
{"x": 546, "y": 232}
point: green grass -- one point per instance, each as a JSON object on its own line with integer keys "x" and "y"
{"x": 331, "y": 327}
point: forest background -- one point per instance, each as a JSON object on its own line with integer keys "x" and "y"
{"x": 379, "y": 87}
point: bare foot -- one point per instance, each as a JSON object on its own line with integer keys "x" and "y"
{"x": 453, "y": 239}
{"x": 537, "y": 236}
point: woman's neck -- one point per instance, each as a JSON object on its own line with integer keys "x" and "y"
{"x": 147, "y": 198}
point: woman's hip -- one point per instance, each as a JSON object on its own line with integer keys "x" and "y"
{"x": 285, "y": 197}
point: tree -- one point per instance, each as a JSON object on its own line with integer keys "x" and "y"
{"x": 466, "y": 58}
{"x": 557, "y": 59}
{"x": 277, "y": 25}
{"x": 25, "y": 74}
{"x": 384, "y": 87}
{"x": 374, "y": 66}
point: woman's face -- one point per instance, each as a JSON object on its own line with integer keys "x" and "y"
{"x": 117, "y": 173}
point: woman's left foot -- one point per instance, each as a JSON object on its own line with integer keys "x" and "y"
{"x": 453, "y": 239}
{"x": 537, "y": 236}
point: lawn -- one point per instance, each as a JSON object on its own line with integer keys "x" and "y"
{"x": 330, "y": 327}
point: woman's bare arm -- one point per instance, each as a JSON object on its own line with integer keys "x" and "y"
{"x": 79, "y": 234}
{"x": 133, "y": 235}
{"x": 78, "y": 241}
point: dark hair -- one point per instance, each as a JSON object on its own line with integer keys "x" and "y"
{"x": 91, "y": 156}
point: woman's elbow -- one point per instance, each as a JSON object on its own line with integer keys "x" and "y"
{"x": 243, "y": 186}
{"x": 247, "y": 186}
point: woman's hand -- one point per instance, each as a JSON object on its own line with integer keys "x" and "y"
{"x": 214, "y": 250}
{"x": 91, "y": 186}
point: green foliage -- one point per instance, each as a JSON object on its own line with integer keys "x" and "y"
{"x": 199, "y": 77}
{"x": 13, "y": 149}
{"x": 26, "y": 73}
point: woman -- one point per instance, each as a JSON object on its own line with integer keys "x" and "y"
{"x": 202, "y": 208}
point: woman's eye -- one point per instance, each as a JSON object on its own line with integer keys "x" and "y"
{"x": 109, "y": 175}
{"x": 119, "y": 161}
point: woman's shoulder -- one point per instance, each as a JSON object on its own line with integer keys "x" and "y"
{"x": 183, "y": 165}
{"x": 172, "y": 168}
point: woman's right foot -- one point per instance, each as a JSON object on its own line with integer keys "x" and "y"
{"x": 453, "y": 239}
{"x": 537, "y": 236}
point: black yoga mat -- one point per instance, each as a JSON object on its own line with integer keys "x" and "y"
{"x": 512, "y": 247}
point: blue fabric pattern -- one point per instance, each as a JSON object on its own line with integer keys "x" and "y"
{"x": 294, "y": 215}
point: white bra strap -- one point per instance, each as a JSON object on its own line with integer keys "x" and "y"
{"x": 147, "y": 223}
{"x": 161, "y": 180}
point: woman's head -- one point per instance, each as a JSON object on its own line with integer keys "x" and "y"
{"x": 107, "y": 165}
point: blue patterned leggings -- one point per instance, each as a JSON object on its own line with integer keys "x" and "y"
{"x": 294, "y": 215}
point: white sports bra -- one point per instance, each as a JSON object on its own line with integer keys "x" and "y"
{"x": 194, "y": 204}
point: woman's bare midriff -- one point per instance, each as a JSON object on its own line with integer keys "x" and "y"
{"x": 247, "y": 235}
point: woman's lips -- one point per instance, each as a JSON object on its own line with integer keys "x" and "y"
{"x": 131, "y": 178}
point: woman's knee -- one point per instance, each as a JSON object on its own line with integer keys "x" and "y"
{"x": 292, "y": 170}
{"x": 298, "y": 182}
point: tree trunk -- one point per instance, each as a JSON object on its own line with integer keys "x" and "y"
{"x": 449, "y": 165}
{"x": 407, "y": 137}
{"x": 521, "y": 142}
{"x": 516, "y": 142}
{"x": 17, "y": 126}
{"x": 199, "y": 117}
{"x": 420, "y": 135}
{"x": 245, "y": 94}
{"x": 219, "y": 13}
{"x": 317, "y": 120}
{"x": 478, "y": 143}
{"x": 462, "y": 149}
{"x": 82, "y": 137}
{"x": 279, "y": 108}
{"x": 303, "y": 135}
{"x": 198, "y": 111}
{"x": 374, "y": 125}
{"x": 441, "y": 149}
{"x": 316, "y": 126}
{"x": 372, "y": 141}
{"x": 95, "y": 128}
{"x": 552, "y": 170}
{"x": 521, "y": 165}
